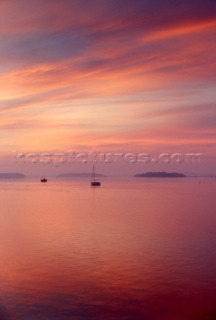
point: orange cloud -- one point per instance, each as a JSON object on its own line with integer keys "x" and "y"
{"x": 182, "y": 30}
{"x": 93, "y": 77}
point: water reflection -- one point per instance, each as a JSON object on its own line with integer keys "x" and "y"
{"x": 138, "y": 252}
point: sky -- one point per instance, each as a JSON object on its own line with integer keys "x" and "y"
{"x": 108, "y": 76}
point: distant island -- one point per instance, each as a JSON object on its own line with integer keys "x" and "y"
{"x": 12, "y": 175}
{"x": 78, "y": 175}
{"x": 160, "y": 175}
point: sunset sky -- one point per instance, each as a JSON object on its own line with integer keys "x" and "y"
{"x": 108, "y": 75}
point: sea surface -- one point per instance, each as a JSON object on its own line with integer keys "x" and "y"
{"x": 138, "y": 249}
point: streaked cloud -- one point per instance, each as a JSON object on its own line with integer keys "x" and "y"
{"x": 107, "y": 74}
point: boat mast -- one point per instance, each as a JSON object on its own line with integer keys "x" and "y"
{"x": 93, "y": 173}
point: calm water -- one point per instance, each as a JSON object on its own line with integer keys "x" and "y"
{"x": 142, "y": 250}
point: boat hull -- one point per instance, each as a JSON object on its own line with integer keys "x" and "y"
{"x": 95, "y": 184}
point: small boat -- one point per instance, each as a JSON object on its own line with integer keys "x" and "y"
{"x": 43, "y": 180}
{"x": 94, "y": 183}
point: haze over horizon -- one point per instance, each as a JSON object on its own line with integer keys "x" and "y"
{"x": 108, "y": 76}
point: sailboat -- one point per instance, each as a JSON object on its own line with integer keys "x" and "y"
{"x": 94, "y": 183}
